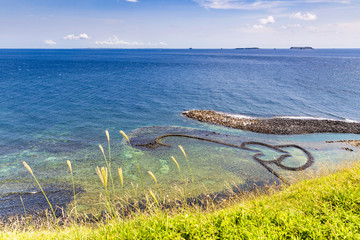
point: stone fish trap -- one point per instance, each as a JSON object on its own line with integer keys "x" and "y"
{"x": 150, "y": 138}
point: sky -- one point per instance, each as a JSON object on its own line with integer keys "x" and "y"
{"x": 179, "y": 23}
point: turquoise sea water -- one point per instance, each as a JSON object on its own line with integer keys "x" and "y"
{"x": 56, "y": 104}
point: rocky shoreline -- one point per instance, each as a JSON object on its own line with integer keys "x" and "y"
{"x": 281, "y": 126}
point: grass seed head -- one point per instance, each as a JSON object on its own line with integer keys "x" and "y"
{"x": 103, "y": 175}
{"x": 172, "y": 157}
{"x": 154, "y": 197}
{"x": 125, "y": 136}
{"x": 28, "y": 168}
{"x": 69, "y": 165}
{"x": 107, "y": 135}
{"x": 121, "y": 176}
{"x": 183, "y": 151}
{"x": 102, "y": 149}
{"x": 153, "y": 176}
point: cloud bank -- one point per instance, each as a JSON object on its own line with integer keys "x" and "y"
{"x": 238, "y": 4}
{"x": 49, "y": 42}
{"x": 76, "y": 37}
{"x": 260, "y": 4}
{"x": 268, "y": 20}
{"x": 263, "y": 22}
{"x": 304, "y": 16}
{"x": 114, "y": 40}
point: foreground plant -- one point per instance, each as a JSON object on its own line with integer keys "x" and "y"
{"x": 327, "y": 207}
{"x": 154, "y": 178}
{"x": 181, "y": 178}
{"x": 133, "y": 152}
{"x": 108, "y": 161}
{"x": 103, "y": 174}
{"x": 22, "y": 203}
{"x": 154, "y": 197}
{"x": 51, "y": 207}
{"x": 188, "y": 163}
{"x": 73, "y": 185}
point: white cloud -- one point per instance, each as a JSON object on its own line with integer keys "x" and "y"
{"x": 238, "y": 4}
{"x": 260, "y": 4}
{"x": 132, "y": 0}
{"x": 263, "y": 22}
{"x": 256, "y": 26}
{"x": 114, "y": 40}
{"x": 76, "y": 37}
{"x": 291, "y": 26}
{"x": 49, "y": 42}
{"x": 326, "y": 1}
{"x": 256, "y": 29}
{"x": 351, "y": 28}
{"x": 269, "y": 19}
{"x": 304, "y": 16}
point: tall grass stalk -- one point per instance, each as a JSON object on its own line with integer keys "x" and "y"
{"x": 191, "y": 175}
{"x": 110, "y": 175}
{"x": 51, "y": 207}
{"x": 181, "y": 177}
{"x": 133, "y": 152}
{"x": 154, "y": 197}
{"x": 108, "y": 139}
{"x": 103, "y": 175}
{"x": 102, "y": 150}
{"x": 22, "y": 202}
{"x": 73, "y": 185}
{"x": 154, "y": 178}
{"x": 135, "y": 189}
{"x": 121, "y": 176}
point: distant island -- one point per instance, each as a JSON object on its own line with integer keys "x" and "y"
{"x": 250, "y": 48}
{"x": 301, "y": 48}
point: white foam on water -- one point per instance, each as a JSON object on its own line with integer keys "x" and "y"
{"x": 351, "y": 121}
{"x": 316, "y": 118}
{"x": 306, "y": 118}
{"x": 234, "y": 115}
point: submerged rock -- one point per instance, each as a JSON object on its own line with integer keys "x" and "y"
{"x": 355, "y": 143}
{"x": 34, "y": 200}
{"x": 164, "y": 166}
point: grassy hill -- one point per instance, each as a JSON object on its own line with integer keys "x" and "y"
{"x": 326, "y": 207}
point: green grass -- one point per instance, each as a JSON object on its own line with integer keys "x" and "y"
{"x": 326, "y": 207}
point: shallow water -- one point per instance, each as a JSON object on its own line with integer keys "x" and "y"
{"x": 56, "y": 104}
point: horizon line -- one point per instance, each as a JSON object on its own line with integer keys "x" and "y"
{"x": 190, "y": 48}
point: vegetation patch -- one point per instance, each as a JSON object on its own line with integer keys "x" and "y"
{"x": 326, "y": 207}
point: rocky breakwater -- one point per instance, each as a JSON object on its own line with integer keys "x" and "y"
{"x": 275, "y": 125}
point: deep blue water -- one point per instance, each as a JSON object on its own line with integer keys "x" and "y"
{"x": 52, "y": 101}
{"x": 85, "y": 91}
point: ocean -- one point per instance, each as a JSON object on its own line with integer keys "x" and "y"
{"x": 55, "y": 105}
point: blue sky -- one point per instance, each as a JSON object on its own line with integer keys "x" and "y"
{"x": 179, "y": 24}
